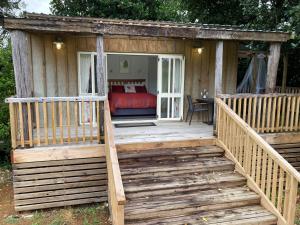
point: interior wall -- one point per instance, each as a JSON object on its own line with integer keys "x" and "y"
{"x": 55, "y": 71}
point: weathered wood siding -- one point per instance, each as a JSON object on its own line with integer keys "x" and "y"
{"x": 54, "y": 71}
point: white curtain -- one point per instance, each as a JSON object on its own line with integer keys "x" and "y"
{"x": 85, "y": 70}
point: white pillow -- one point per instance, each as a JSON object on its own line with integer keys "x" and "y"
{"x": 129, "y": 88}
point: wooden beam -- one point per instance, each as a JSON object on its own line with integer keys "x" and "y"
{"x": 46, "y": 23}
{"x": 284, "y": 74}
{"x": 58, "y": 153}
{"x": 100, "y": 66}
{"x": 144, "y": 146}
{"x": 21, "y": 53}
{"x": 273, "y": 61}
{"x": 218, "y": 72}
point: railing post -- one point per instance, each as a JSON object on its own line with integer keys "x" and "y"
{"x": 12, "y": 116}
{"x": 291, "y": 200}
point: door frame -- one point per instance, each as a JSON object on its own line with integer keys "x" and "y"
{"x": 139, "y": 54}
{"x": 159, "y": 80}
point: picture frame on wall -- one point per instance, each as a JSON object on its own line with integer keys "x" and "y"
{"x": 124, "y": 65}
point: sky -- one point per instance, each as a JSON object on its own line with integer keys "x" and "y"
{"x": 37, "y": 6}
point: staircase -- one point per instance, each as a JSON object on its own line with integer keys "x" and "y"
{"x": 187, "y": 186}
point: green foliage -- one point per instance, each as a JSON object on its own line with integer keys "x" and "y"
{"x": 8, "y": 7}
{"x": 123, "y": 9}
{"x": 7, "y": 88}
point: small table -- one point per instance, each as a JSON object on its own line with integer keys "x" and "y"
{"x": 211, "y": 103}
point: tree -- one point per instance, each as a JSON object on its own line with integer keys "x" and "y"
{"x": 122, "y": 9}
{"x": 7, "y": 83}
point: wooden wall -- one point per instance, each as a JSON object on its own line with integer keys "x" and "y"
{"x": 55, "y": 71}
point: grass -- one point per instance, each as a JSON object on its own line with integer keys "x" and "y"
{"x": 297, "y": 221}
{"x": 96, "y": 214}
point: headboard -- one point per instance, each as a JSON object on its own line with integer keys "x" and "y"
{"x": 123, "y": 82}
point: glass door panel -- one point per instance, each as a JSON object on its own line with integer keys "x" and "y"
{"x": 170, "y": 87}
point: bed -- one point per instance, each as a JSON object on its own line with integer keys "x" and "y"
{"x": 140, "y": 103}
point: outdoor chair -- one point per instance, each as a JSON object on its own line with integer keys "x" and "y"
{"x": 195, "y": 107}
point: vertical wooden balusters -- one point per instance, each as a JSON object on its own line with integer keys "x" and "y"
{"x": 45, "y": 123}
{"x": 21, "y": 125}
{"x": 53, "y": 112}
{"x": 83, "y": 120}
{"x": 13, "y": 130}
{"x": 76, "y": 121}
{"x": 29, "y": 124}
{"x": 61, "y": 128}
{"x": 68, "y": 121}
{"x": 37, "y": 123}
{"x": 98, "y": 120}
{"x": 288, "y": 111}
{"x": 91, "y": 120}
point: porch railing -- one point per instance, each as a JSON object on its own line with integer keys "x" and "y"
{"x": 290, "y": 90}
{"x": 55, "y": 120}
{"x": 116, "y": 193}
{"x": 267, "y": 173}
{"x": 267, "y": 113}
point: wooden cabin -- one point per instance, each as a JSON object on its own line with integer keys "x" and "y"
{"x": 81, "y": 81}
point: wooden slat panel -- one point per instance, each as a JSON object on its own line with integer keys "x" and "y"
{"x": 59, "y": 183}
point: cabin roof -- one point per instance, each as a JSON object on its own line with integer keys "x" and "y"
{"x": 50, "y": 23}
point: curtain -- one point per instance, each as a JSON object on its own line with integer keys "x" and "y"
{"x": 85, "y": 73}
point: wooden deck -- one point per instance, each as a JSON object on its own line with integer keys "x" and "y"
{"x": 187, "y": 186}
{"x": 163, "y": 132}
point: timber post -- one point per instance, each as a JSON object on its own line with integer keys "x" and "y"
{"x": 273, "y": 61}
{"x": 21, "y": 53}
{"x": 284, "y": 75}
{"x": 218, "y": 74}
{"x": 101, "y": 79}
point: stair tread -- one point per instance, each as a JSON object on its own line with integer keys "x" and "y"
{"x": 192, "y": 199}
{"x": 170, "y": 152}
{"x": 247, "y": 215}
{"x": 178, "y": 165}
{"x": 182, "y": 181}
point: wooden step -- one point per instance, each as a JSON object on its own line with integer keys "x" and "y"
{"x": 246, "y": 215}
{"x": 210, "y": 150}
{"x": 195, "y": 185}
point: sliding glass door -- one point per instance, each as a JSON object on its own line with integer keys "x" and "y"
{"x": 170, "y": 87}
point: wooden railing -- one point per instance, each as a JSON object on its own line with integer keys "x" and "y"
{"x": 55, "y": 120}
{"x": 289, "y": 90}
{"x": 267, "y": 173}
{"x": 116, "y": 193}
{"x": 267, "y": 113}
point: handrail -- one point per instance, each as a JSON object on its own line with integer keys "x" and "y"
{"x": 115, "y": 186}
{"x": 55, "y": 99}
{"x": 260, "y": 141}
{"x": 267, "y": 172}
{"x": 267, "y": 113}
{"x": 244, "y": 95}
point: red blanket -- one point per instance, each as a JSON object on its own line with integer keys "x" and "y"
{"x": 131, "y": 101}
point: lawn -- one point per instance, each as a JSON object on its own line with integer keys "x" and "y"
{"x": 96, "y": 214}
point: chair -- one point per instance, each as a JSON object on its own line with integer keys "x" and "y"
{"x": 195, "y": 107}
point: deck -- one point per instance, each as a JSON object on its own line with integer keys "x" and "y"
{"x": 163, "y": 131}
